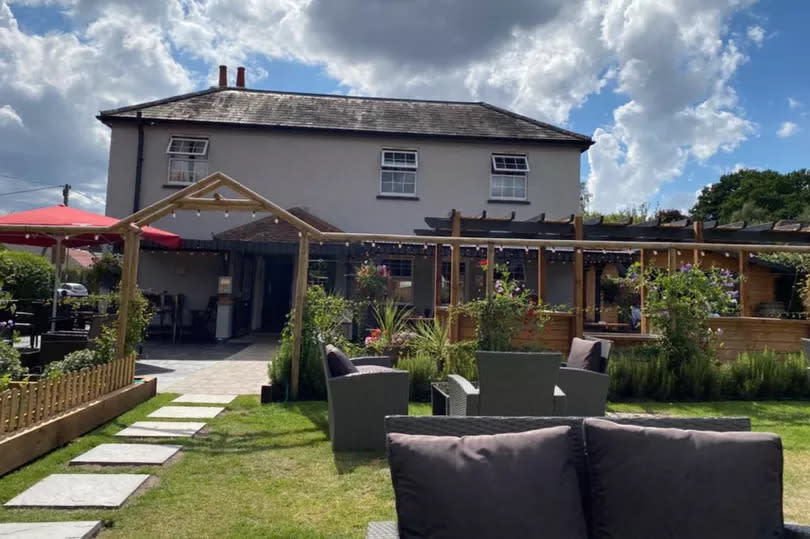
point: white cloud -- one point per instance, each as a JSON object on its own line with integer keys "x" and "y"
{"x": 756, "y": 34}
{"x": 794, "y": 103}
{"x": 9, "y": 117}
{"x": 787, "y": 129}
{"x": 671, "y": 60}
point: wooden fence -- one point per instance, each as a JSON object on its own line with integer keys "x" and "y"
{"x": 28, "y": 403}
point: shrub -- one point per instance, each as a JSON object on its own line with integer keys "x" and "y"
{"x": 10, "y": 365}
{"x": 26, "y": 275}
{"x": 766, "y": 374}
{"x": 105, "y": 273}
{"x": 74, "y": 362}
{"x": 422, "y": 370}
{"x": 499, "y": 319}
{"x": 391, "y": 335}
{"x": 323, "y": 315}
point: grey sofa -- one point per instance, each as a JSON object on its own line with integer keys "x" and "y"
{"x": 469, "y": 426}
{"x": 359, "y": 402}
{"x": 510, "y": 383}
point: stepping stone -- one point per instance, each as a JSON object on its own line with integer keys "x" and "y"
{"x": 191, "y": 398}
{"x": 187, "y": 412}
{"x": 70, "y": 491}
{"x": 51, "y": 530}
{"x": 127, "y": 454}
{"x": 161, "y": 429}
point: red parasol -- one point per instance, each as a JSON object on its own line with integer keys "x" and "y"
{"x": 65, "y": 216}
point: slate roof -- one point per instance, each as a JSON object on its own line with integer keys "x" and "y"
{"x": 267, "y": 230}
{"x": 246, "y": 107}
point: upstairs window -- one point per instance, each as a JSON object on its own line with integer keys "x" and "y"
{"x": 398, "y": 172}
{"x": 508, "y": 177}
{"x": 188, "y": 159}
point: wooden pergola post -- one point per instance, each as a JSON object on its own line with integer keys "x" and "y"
{"x": 129, "y": 279}
{"x": 490, "y": 270}
{"x": 437, "y": 279}
{"x": 455, "y": 275}
{"x": 298, "y": 310}
{"x": 541, "y": 275}
{"x": 579, "y": 279}
{"x": 697, "y": 227}
{"x": 672, "y": 260}
{"x": 745, "y": 305}
{"x": 642, "y": 293}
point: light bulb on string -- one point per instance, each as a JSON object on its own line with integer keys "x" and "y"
{"x": 198, "y": 213}
{"x": 174, "y": 214}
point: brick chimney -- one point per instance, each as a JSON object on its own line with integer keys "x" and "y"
{"x": 223, "y": 76}
{"x": 240, "y": 77}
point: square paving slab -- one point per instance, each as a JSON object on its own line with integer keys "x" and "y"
{"x": 66, "y": 491}
{"x": 127, "y": 454}
{"x": 162, "y": 429}
{"x": 192, "y": 398}
{"x": 51, "y": 530}
{"x": 187, "y": 412}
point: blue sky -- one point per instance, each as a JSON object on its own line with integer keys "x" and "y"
{"x": 676, "y": 92}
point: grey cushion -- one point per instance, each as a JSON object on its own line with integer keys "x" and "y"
{"x": 651, "y": 482}
{"x": 504, "y": 485}
{"x": 366, "y": 369}
{"x": 585, "y": 354}
{"x": 339, "y": 364}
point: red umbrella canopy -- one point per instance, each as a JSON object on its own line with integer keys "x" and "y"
{"x": 65, "y": 216}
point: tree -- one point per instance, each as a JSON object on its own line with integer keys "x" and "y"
{"x": 755, "y": 196}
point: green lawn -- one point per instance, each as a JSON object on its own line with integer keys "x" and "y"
{"x": 268, "y": 471}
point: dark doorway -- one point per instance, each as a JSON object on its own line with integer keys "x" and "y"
{"x": 277, "y": 292}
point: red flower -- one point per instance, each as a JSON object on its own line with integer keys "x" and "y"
{"x": 484, "y": 264}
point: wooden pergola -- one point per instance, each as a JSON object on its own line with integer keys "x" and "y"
{"x": 570, "y": 233}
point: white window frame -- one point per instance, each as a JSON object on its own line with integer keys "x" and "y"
{"x": 190, "y": 139}
{"x": 399, "y": 167}
{"x": 496, "y": 168}
{"x": 508, "y": 173}
{"x": 199, "y": 158}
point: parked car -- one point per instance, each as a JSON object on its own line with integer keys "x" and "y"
{"x": 73, "y": 290}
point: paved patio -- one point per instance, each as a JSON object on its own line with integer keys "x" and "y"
{"x": 234, "y": 367}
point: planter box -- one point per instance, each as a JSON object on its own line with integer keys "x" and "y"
{"x": 25, "y": 445}
{"x": 273, "y": 393}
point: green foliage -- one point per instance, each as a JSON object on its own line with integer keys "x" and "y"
{"x": 372, "y": 281}
{"x": 679, "y": 304}
{"x": 323, "y": 316}
{"x": 422, "y": 370}
{"x": 755, "y": 195}
{"x": 5, "y": 381}
{"x": 392, "y": 330}
{"x": 74, "y": 362}
{"x": 26, "y": 275}
{"x": 10, "y": 365}
{"x": 432, "y": 339}
{"x": 138, "y": 318}
{"x": 499, "y": 319}
{"x": 647, "y": 373}
{"x": 105, "y": 273}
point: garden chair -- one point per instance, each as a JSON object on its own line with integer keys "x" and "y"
{"x": 510, "y": 383}
{"x": 360, "y": 401}
{"x": 584, "y": 379}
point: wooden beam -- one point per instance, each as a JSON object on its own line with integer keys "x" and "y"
{"x": 672, "y": 260}
{"x": 198, "y": 203}
{"x": 143, "y": 217}
{"x": 697, "y": 227}
{"x": 437, "y": 277}
{"x": 541, "y": 275}
{"x": 298, "y": 311}
{"x": 455, "y": 275}
{"x": 129, "y": 277}
{"x": 579, "y": 280}
{"x": 490, "y": 270}
{"x": 746, "y": 309}
{"x": 642, "y": 294}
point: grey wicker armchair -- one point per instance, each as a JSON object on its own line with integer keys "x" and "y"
{"x": 359, "y": 402}
{"x": 510, "y": 383}
{"x": 585, "y": 391}
{"x": 469, "y": 426}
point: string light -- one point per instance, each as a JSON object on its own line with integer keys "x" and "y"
{"x": 347, "y": 244}
{"x": 226, "y": 214}
{"x": 174, "y": 214}
{"x": 727, "y": 255}
{"x": 275, "y": 221}
{"x": 679, "y": 253}
{"x": 95, "y": 237}
{"x": 253, "y": 214}
{"x": 655, "y": 253}
{"x": 27, "y": 236}
{"x": 66, "y": 236}
{"x": 300, "y": 235}
{"x": 424, "y": 246}
{"x": 198, "y": 213}
{"x": 373, "y": 244}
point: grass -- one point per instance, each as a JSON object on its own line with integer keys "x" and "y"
{"x": 269, "y": 471}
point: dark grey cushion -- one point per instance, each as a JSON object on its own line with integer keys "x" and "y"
{"x": 585, "y": 354}
{"x": 650, "y": 482}
{"x": 504, "y": 485}
{"x": 339, "y": 364}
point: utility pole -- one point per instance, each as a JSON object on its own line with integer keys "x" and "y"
{"x": 66, "y": 194}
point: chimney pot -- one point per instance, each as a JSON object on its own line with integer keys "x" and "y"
{"x": 223, "y": 76}
{"x": 240, "y": 77}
